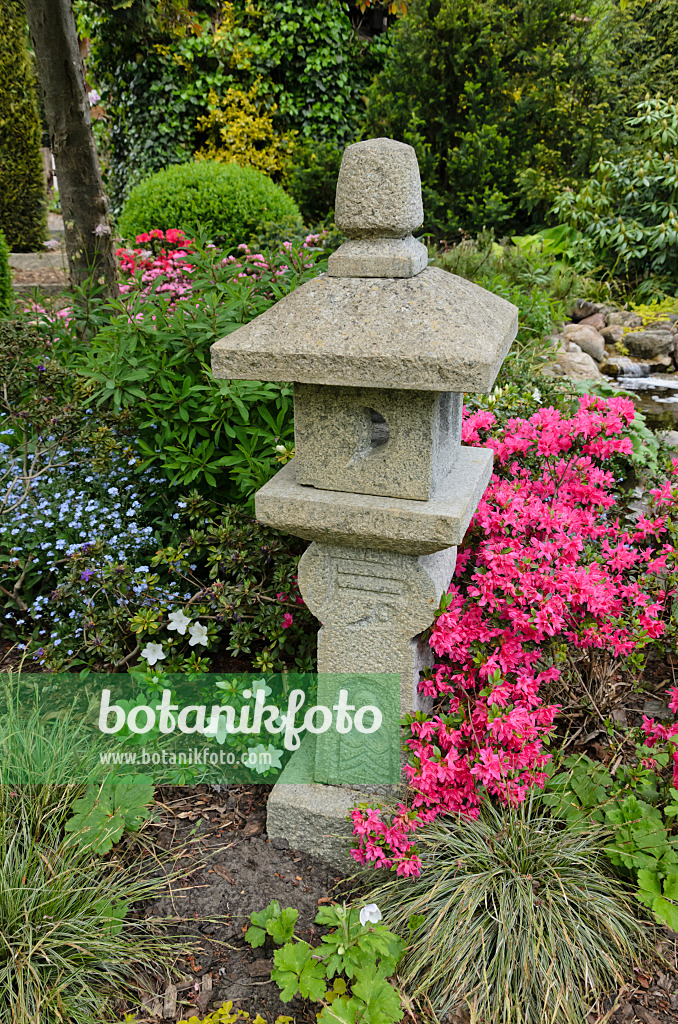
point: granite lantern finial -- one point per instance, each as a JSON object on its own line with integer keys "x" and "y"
{"x": 378, "y": 207}
{"x": 380, "y": 349}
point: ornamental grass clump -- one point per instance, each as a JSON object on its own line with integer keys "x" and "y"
{"x": 71, "y": 947}
{"x": 512, "y": 919}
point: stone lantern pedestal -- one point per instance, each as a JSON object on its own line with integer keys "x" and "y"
{"x": 381, "y": 350}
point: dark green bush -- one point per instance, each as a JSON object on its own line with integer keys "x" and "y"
{"x": 22, "y": 189}
{"x": 503, "y": 101}
{"x": 227, "y": 202}
{"x": 311, "y": 178}
{"x": 5, "y": 276}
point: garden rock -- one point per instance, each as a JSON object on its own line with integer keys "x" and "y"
{"x": 661, "y": 325}
{"x": 584, "y": 308}
{"x": 613, "y": 333}
{"x": 597, "y": 321}
{"x": 578, "y": 365}
{"x": 589, "y": 340}
{"x": 624, "y": 318}
{"x": 649, "y": 344}
{"x": 625, "y": 366}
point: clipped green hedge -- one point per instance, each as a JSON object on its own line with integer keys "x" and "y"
{"x": 229, "y": 202}
{"x": 22, "y": 187}
{"x": 5, "y": 276}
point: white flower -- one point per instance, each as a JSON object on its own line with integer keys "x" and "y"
{"x": 93, "y": 97}
{"x": 260, "y": 684}
{"x": 536, "y": 394}
{"x": 261, "y": 759}
{"x": 198, "y": 634}
{"x": 178, "y": 621}
{"x": 153, "y": 653}
{"x": 370, "y": 913}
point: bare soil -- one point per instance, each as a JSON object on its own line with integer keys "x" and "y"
{"x": 231, "y": 869}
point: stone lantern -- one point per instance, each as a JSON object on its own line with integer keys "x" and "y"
{"x": 381, "y": 350}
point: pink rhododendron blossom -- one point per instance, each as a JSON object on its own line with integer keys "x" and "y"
{"x": 547, "y": 561}
{"x": 161, "y": 262}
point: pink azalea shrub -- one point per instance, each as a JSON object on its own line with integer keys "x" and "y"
{"x": 548, "y": 561}
{"x": 161, "y": 261}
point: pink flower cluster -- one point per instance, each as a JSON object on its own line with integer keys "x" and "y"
{"x": 165, "y": 266}
{"x": 162, "y": 262}
{"x": 546, "y": 563}
{"x": 656, "y": 733}
{"x": 287, "y": 599}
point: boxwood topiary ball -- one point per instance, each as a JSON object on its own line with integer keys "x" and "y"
{"x": 227, "y": 201}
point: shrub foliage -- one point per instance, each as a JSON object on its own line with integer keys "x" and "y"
{"x": 502, "y": 102}
{"x": 227, "y": 202}
{"x": 5, "y": 276}
{"x": 626, "y": 214}
{"x": 310, "y": 70}
{"x": 22, "y": 189}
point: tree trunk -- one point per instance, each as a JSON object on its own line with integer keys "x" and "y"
{"x": 89, "y": 240}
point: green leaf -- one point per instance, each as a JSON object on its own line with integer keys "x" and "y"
{"x": 382, "y": 1002}
{"x": 105, "y": 812}
{"x": 671, "y": 886}
{"x": 666, "y": 912}
{"x": 297, "y": 971}
{"x": 342, "y": 1011}
{"x": 262, "y": 917}
{"x": 649, "y": 885}
{"x": 255, "y": 936}
{"x": 281, "y": 928}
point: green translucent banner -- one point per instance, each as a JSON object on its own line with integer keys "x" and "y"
{"x": 187, "y": 729}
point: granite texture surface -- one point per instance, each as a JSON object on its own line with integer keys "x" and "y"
{"x": 379, "y": 190}
{"x": 375, "y": 441}
{"x": 384, "y": 523}
{"x": 432, "y": 332}
{"x": 378, "y": 257}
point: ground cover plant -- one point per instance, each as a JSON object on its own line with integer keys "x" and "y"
{"x": 348, "y": 972}
{"x": 223, "y": 584}
{"x": 637, "y": 801}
